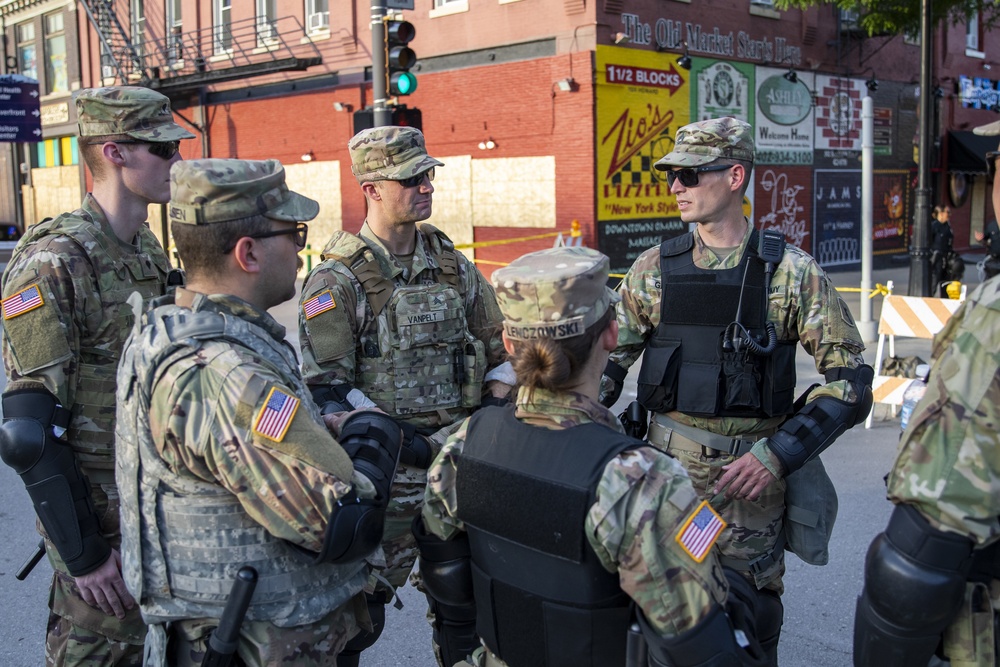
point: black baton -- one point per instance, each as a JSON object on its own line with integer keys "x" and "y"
{"x": 224, "y": 640}
{"x": 636, "y": 651}
{"x": 31, "y": 561}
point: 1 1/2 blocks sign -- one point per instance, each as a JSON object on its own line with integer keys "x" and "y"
{"x": 20, "y": 112}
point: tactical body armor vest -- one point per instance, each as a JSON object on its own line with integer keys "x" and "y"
{"x": 523, "y": 492}
{"x": 685, "y": 367}
{"x": 183, "y": 539}
{"x": 118, "y": 272}
{"x": 420, "y": 357}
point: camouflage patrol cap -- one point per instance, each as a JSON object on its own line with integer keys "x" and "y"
{"x": 555, "y": 293}
{"x": 389, "y": 154}
{"x": 217, "y": 190}
{"x": 133, "y": 111}
{"x": 708, "y": 140}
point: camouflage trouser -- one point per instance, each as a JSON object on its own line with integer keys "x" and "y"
{"x": 753, "y": 526}
{"x": 78, "y": 634}
{"x": 970, "y": 640}
{"x": 264, "y": 644}
{"x": 406, "y": 498}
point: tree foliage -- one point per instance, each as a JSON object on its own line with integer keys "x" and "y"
{"x": 896, "y": 17}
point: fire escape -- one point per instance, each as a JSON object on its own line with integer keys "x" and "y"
{"x": 180, "y": 62}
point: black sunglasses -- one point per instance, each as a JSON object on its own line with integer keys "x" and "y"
{"x": 689, "y": 175}
{"x": 301, "y": 231}
{"x": 991, "y": 164}
{"x": 162, "y": 149}
{"x": 414, "y": 181}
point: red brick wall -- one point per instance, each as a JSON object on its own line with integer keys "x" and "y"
{"x": 515, "y": 104}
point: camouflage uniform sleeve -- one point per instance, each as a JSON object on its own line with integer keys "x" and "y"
{"x": 639, "y": 310}
{"x": 482, "y": 312}
{"x": 41, "y": 345}
{"x": 328, "y": 333}
{"x": 805, "y": 306}
{"x": 643, "y": 500}
{"x": 440, "y": 501}
{"x": 208, "y": 421}
{"x": 948, "y": 464}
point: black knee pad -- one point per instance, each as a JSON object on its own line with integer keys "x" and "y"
{"x": 770, "y": 617}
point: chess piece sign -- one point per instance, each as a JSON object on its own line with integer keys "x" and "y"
{"x": 20, "y": 113}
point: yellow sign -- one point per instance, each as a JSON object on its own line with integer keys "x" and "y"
{"x": 642, "y": 98}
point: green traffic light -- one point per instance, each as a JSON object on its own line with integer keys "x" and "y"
{"x": 402, "y": 83}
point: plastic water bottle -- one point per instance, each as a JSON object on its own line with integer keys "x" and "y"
{"x": 913, "y": 394}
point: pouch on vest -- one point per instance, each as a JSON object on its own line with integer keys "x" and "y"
{"x": 657, "y": 379}
{"x": 970, "y": 640}
{"x": 810, "y": 512}
{"x": 475, "y": 370}
{"x": 742, "y": 381}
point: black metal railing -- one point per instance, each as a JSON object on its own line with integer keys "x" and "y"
{"x": 187, "y": 59}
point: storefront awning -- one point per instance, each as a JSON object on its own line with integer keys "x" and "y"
{"x": 967, "y": 152}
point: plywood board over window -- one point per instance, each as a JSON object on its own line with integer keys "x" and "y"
{"x": 452, "y": 209}
{"x": 493, "y": 192}
{"x": 514, "y": 192}
{"x": 319, "y": 181}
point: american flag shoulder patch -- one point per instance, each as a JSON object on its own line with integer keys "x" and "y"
{"x": 700, "y": 531}
{"x": 320, "y": 303}
{"x": 276, "y": 415}
{"x": 18, "y": 304}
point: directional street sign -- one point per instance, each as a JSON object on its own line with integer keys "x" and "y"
{"x": 20, "y": 111}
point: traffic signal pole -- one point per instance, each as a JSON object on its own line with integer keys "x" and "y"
{"x": 380, "y": 94}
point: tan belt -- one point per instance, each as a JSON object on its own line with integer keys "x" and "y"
{"x": 667, "y": 434}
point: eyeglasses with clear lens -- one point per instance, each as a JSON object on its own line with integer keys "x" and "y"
{"x": 414, "y": 181}
{"x": 689, "y": 175}
{"x": 991, "y": 164}
{"x": 301, "y": 231}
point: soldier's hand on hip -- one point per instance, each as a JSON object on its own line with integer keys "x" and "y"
{"x": 744, "y": 478}
{"x": 105, "y": 588}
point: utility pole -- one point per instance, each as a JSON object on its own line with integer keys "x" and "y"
{"x": 920, "y": 278}
{"x": 866, "y": 326}
{"x": 382, "y": 114}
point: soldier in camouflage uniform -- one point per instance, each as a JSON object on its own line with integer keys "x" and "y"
{"x": 64, "y": 323}
{"x": 932, "y": 579}
{"x": 230, "y": 463}
{"x": 394, "y": 316}
{"x": 557, "y": 520}
{"x": 718, "y": 368}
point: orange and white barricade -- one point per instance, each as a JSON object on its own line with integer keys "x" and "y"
{"x": 911, "y": 317}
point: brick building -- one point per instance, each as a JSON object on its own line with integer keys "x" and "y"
{"x": 550, "y": 111}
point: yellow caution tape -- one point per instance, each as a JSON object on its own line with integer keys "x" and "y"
{"x": 488, "y": 244}
{"x": 878, "y": 290}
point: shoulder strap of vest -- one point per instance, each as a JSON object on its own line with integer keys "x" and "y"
{"x": 443, "y": 250}
{"x": 490, "y": 419}
{"x": 677, "y": 245}
{"x": 353, "y": 252}
{"x": 754, "y": 242}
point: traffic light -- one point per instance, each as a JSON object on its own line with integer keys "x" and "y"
{"x": 399, "y": 57}
{"x": 402, "y": 115}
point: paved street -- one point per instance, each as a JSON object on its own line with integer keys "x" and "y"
{"x": 819, "y": 602}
